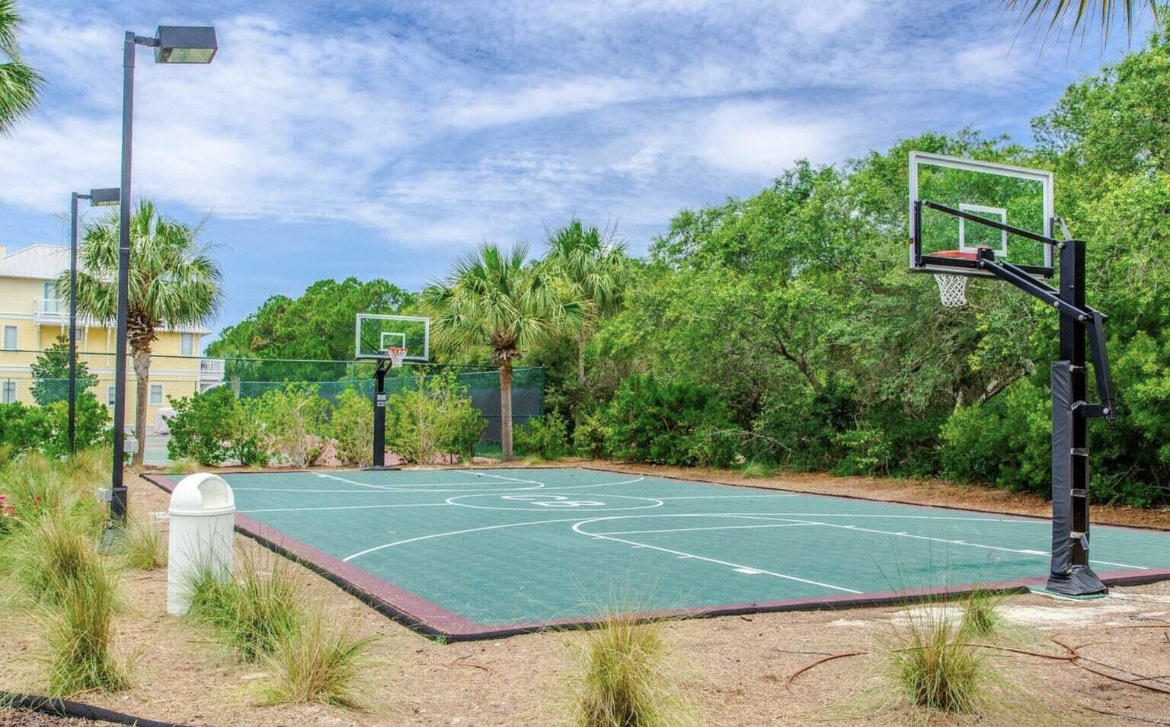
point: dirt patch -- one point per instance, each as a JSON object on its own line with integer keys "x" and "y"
{"x": 735, "y": 668}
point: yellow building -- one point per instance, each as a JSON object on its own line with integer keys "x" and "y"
{"x": 32, "y": 317}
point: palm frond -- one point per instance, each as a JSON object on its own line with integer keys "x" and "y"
{"x": 1059, "y": 11}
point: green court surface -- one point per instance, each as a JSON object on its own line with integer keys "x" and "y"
{"x": 480, "y": 553}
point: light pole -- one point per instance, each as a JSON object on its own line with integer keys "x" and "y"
{"x": 172, "y": 44}
{"x": 97, "y": 198}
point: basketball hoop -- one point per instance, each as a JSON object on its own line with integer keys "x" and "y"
{"x": 396, "y": 355}
{"x": 952, "y": 289}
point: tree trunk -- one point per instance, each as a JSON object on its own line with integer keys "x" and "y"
{"x": 581, "y": 360}
{"x": 506, "y": 409}
{"x": 142, "y": 371}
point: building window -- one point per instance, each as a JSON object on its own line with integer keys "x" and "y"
{"x": 9, "y": 391}
{"x": 155, "y": 394}
{"x": 110, "y": 396}
{"x": 186, "y": 344}
{"x": 10, "y": 338}
{"x": 51, "y": 304}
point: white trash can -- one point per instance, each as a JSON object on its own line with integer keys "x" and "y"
{"x": 202, "y": 517}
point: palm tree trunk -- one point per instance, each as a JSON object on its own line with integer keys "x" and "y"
{"x": 142, "y": 372}
{"x": 506, "y": 409}
{"x": 581, "y": 360}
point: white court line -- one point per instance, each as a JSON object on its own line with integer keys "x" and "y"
{"x": 278, "y": 489}
{"x": 367, "y": 551}
{"x": 342, "y": 507}
{"x": 576, "y": 529}
{"x": 599, "y": 484}
{"x": 969, "y": 545}
{"x": 509, "y": 479}
{"x": 717, "y": 527}
{"x": 350, "y": 482}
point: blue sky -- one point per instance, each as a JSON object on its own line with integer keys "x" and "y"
{"x": 341, "y": 138}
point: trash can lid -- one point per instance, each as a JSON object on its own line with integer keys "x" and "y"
{"x": 202, "y": 495}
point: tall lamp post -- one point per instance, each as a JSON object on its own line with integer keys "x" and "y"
{"x": 172, "y": 44}
{"x": 97, "y": 198}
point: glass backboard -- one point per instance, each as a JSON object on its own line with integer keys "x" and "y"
{"x": 375, "y": 332}
{"x": 1011, "y": 195}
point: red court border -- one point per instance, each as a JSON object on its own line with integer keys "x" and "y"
{"x": 428, "y": 618}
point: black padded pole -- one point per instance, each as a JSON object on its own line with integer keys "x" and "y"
{"x": 1070, "y": 572}
{"x": 380, "y": 415}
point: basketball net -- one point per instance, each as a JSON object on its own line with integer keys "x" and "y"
{"x": 396, "y": 356}
{"x": 952, "y": 289}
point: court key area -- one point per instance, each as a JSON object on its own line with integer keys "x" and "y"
{"x": 468, "y": 554}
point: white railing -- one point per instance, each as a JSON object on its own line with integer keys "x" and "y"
{"x": 56, "y": 310}
{"x": 211, "y": 369}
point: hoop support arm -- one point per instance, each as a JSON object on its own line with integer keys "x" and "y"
{"x": 989, "y": 223}
{"x": 1093, "y": 320}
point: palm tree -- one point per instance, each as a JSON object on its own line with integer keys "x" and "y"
{"x": 1081, "y": 10}
{"x": 19, "y": 83}
{"x": 592, "y": 266}
{"x": 492, "y": 300}
{"x": 173, "y": 282}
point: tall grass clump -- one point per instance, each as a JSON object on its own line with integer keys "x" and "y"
{"x": 51, "y": 556}
{"x": 251, "y": 612}
{"x": 79, "y": 631}
{"x": 144, "y": 547}
{"x": 933, "y": 664}
{"x": 312, "y": 663}
{"x": 755, "y": 470}
{"x": 625, "y": 681}
{"x": 981, "y": 616}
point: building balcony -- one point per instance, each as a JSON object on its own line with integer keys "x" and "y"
{"x": 55, "y": 311}
{"x": 210, "y": 370}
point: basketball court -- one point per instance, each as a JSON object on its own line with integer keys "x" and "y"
{"x": 469, "y": 554}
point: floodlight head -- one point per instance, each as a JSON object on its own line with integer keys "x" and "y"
{"x": 105, "y": 197}
{"x": 184, "y": 44}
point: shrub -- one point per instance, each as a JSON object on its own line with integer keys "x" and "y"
{"x": 90, "y": 425}
{"x": 546, "y": 437}
{"x": 203, "y": 426}
{"x": 353, "y": 428}
{"x": 624, "y": 683}
{"x": 1017, "y": 425}
{"x": 291, "y": 418}
{"x": 313, "y": 663}
{"x": 434, "y": 418}
{"x": 590, "y": 436}
{"x": 23, "y": 428}
{"x": 50, "y": 374}
{"x": 249, "y": 613}
{"x": 668, "y": 423}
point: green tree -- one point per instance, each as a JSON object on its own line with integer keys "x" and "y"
{"x": 317, "y": 326}
{"x": 50, "y": 374}
{"x": 591, "y": 265}
{"x": 19, "y": 83}
{"x": 173, "y": 282}
{"x": 493, "y": 301}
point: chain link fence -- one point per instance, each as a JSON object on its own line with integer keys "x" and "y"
{"x": 179, "y": 376}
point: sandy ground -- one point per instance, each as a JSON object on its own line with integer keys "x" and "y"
{"x": 735, "y": 669}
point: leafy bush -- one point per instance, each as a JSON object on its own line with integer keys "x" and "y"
{"x": 434, "y": 418}
{"x": 352, "y": 426}
{"x": 23, "y": 428}
{"x": 1005, "y": 442}
{"x": 670, "y": 422}
{"x": 590, "y": 436}
{"x": 292, "y": 419}
{"x": 90, "y": 425}
{"x": 203, "y": 425}
{"x": 546, "y": 437}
